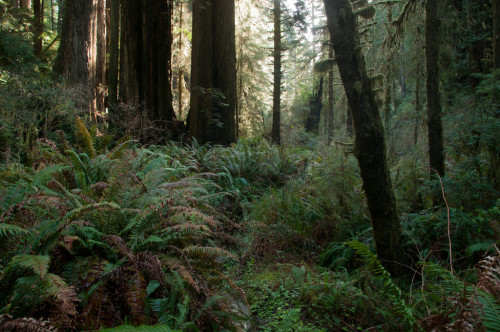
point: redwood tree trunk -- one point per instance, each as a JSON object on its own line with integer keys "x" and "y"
{"x": 435, "y": 128}
{"x": 276, "y": 128}
{"x": 113, "y": 30}
{"x": 80, "y": 57}
{"x": 370, "y": 147}
{"x": 213, "y": 72}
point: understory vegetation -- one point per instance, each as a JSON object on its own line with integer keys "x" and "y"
{"x": 100, "y": 230}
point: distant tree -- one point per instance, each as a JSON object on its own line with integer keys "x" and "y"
{"x": 212, "y": 115}
{"x": 496, "y": 33}
{"x": 38, "y": 26}
{"x": 277, "y": 74}
{"x": 370, "y": 146}
{"x": 435, "y": 127}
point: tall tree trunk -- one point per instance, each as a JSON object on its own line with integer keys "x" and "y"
{"x": 114, "y": 31}
{"x": 180, "y": 75}
{"x": 72, "y": 58}
{"x": 370, "y": 147}
{"x": 38, "y": 26}
{"x": 213, "y": 72}
{"x": 276, "y": 128}
{"x": 315, "y": 105}
{"x": 496, "y": 33}
{"x": 435, "y": 128}
{"x": 157, "y": 65}
{"x": 99, "y": 36}
{"x": 331, "y": 99}
{"x": 418, "y": 109}
{"x": 78, "y": 58}
{"x": 130, "y": 52}
{"x": 348, "y": 122}
{"x": 26, "y": 4}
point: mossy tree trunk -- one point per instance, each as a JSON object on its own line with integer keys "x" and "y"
{"x": 370, "y": 146}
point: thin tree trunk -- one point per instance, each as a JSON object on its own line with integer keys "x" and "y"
{"x": 435, "y": 128}
{"x": 331, "y": 99}
{"x": 370, "y": 146}
{"x": 418, "y": 109}
{"x": 276, "y": 128}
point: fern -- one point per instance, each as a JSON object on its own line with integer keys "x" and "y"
{"x": 81, "y": 175}
{"x": 84, "y": 137}
{"x": 142, "y": 328}
{"x": 389, "y": 289}
{"x": 36, "y": 263}
{"x": 11, "y": 230}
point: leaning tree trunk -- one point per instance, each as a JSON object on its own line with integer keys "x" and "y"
{"x": 435, "y": 127}
{"x": 276, "y": 128}
{"x": 370, "y": 146}
{"x": 213, "y": 72}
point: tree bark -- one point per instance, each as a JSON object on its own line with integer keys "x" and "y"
{"x": 276, "y": 127}
{"x": 38, "y": 26}
{"x": 114, "y": 31}
{"x": 331, "y": 100}
{"x": 26, "y": 4}
{"x": 81, "y": 57}
{"x": 315, "y": 105}
{"x": 213, "y": 72}
{"x": 496, "y": 34}
{"x": 435, "y": 128}
{"x": 370, "y": 147}
{"x": 130, "y": 52}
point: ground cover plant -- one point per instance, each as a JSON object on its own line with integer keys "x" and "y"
{"x": 144, "y": 187}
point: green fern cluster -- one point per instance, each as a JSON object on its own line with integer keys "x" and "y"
{"x": 129, "y": 235}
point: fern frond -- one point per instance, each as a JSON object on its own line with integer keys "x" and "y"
{"x": 119, "y": 150}
{"x": 199, "y": 251}
{"x": 8, "y": 323}
{"x": 83, "y": 135}
{"x": 81, "y": 175}
{"x": 36, "y": 263}
{"x": 141, "y": 328}
{"x": 176, "y": 265}
{"x": 11, "y": 230}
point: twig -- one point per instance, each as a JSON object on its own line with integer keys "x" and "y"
{"x": 448, "y": 212}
